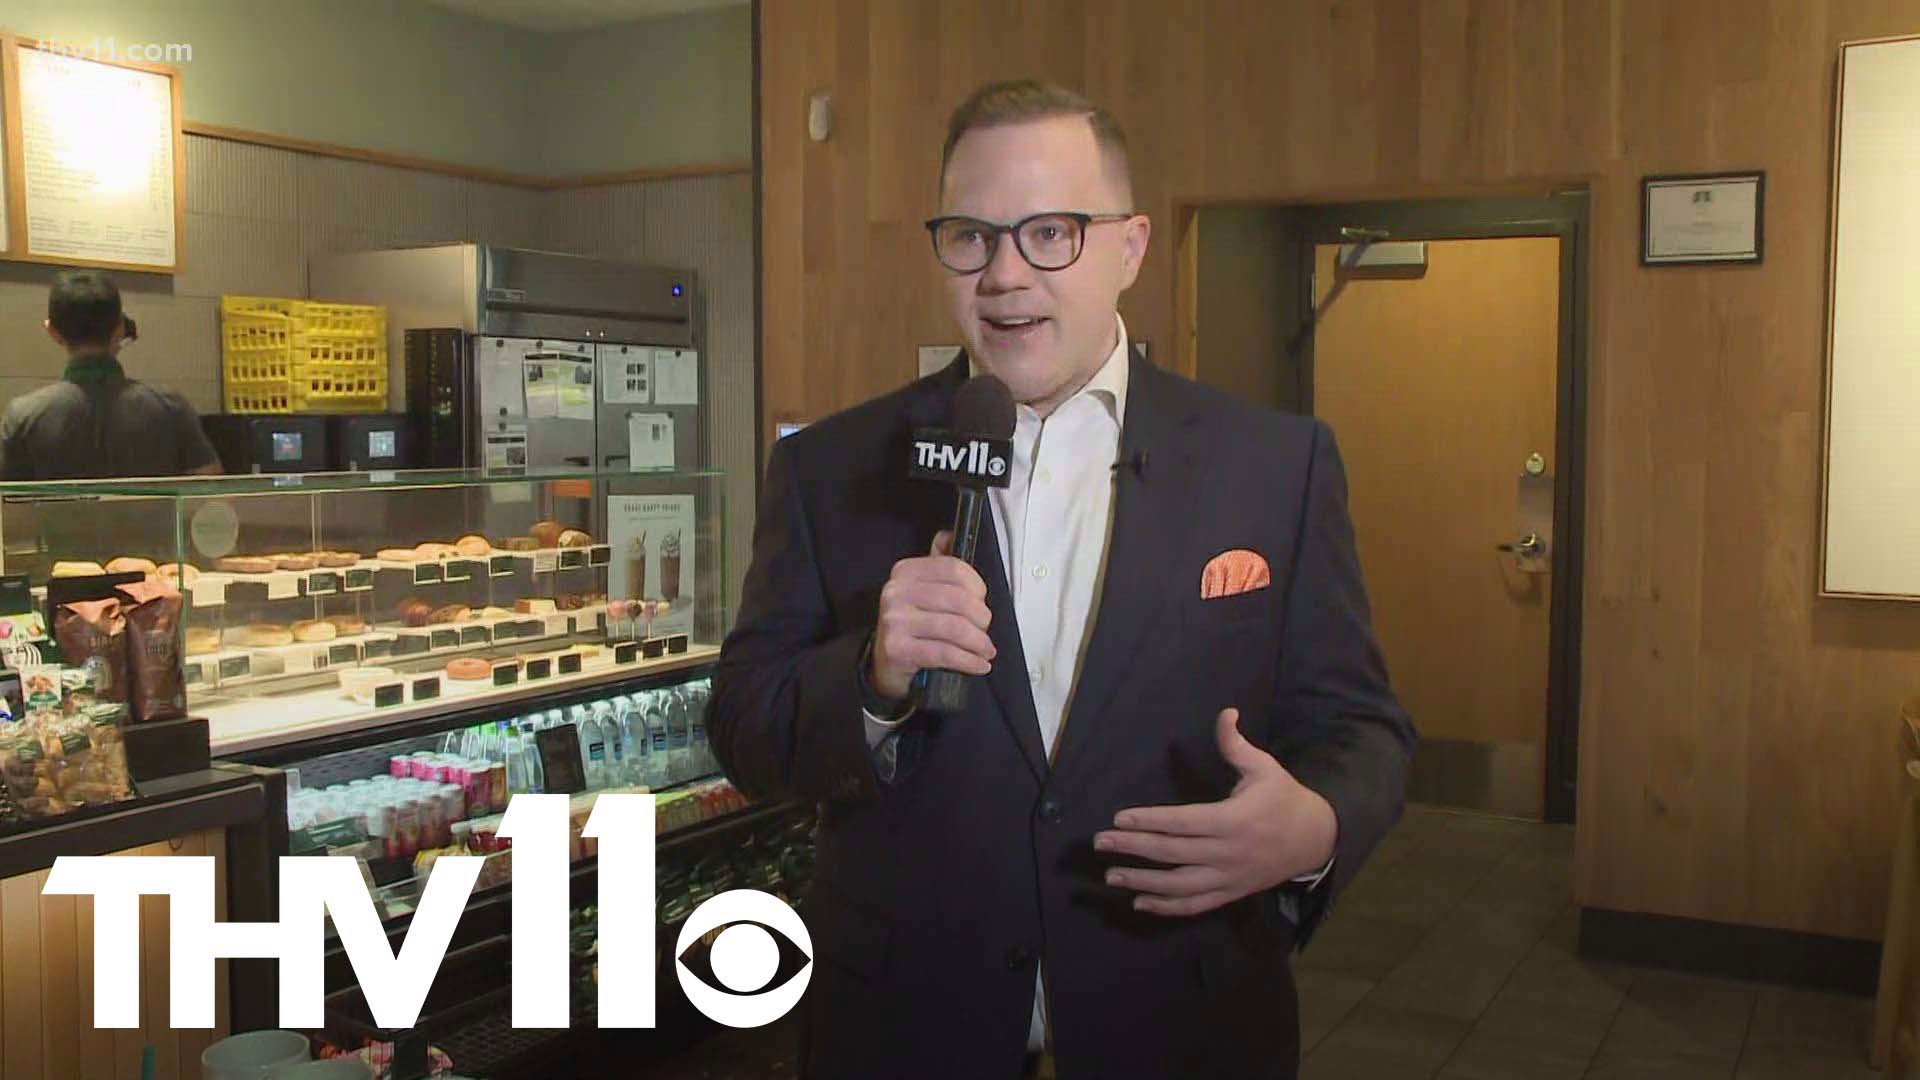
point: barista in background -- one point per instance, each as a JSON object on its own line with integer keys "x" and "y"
{"x": 96, "y": 423}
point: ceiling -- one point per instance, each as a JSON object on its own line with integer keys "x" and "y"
{"x": 575, "y": 14}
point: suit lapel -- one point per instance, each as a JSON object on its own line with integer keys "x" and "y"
{"x": 1150, "y": 516}
{"x": 933, "y": 510}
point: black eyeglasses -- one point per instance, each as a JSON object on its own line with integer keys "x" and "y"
{"x": 1048, "y": 241}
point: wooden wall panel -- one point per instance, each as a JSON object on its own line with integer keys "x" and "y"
{"x": 1735, "y": 756}
{"x": 47, "y": 986}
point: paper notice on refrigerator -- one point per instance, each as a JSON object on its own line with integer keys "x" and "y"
{"x": 576, "y": 391}
{"x": 543, "y": 389}
{"x": 505, "y": 449}
{"x": 626, "y": 376}
{"x": 649, "y": 441}
{"x": 676, "y": 377}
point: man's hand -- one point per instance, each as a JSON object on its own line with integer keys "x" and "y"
{"x": 1270, "y": 830}
{"x": 933, "y": 614}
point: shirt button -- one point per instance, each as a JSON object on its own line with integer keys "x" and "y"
{"x": 1039, "y": 573}
{"x": 1037, "y": 674}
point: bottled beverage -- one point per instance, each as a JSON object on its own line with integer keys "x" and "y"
{"x": 679, "y": 738}
{"x": 639, "y": 742}
{"x": 593, "y": 748}
{"x": 613, "y": 716}
{"x": 536, "y": 772}
{"x": 704, "y": 763}
{"x": 661, "y": 765}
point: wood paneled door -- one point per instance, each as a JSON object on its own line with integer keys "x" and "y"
{"x": 1441, "y": 388}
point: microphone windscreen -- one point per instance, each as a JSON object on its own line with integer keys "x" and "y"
{"x": 983, "y": 406}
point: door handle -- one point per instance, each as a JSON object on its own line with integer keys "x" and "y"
{"x": 1529, "y": 546}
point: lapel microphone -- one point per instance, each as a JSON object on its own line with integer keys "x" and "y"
{"x": 1136, "y": 461}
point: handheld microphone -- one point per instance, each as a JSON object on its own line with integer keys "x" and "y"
{"x": 974, "y": 453}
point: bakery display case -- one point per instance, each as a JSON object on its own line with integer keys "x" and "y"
{"x": 317, "y": 606}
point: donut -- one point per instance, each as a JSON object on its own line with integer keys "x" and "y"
{"x": 131, "y": 564}
{"x": 348, "y": 624}
{"x": 574, "y": 538}
{"x": 518, "y": 543}
{"x": 335, "y": 560}
{"x": 77, "y": 569}
{"x": 295, "y": 562}
{"x": 432, "y": 550}
{"x": 469, "y": 668}
{"x": 534, "y": 605}
{"x": 492, "y": 613}
{"x": 546, "y": 533}
{"x": 472, "y": 545}
{"x": 245, "y": 564}
{"x": 397, "y": 555}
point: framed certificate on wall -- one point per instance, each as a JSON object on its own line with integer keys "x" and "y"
{"x": 1702, "y": 218}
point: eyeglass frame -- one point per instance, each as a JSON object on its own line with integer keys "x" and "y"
{"x": 995, "y": 230}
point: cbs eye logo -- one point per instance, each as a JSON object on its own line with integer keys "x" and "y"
{"x": 745, "y": 960}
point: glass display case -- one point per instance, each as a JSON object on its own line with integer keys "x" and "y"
{"x": 316, "y": 605}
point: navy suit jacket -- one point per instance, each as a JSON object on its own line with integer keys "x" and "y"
{"x": 937, "y": 894}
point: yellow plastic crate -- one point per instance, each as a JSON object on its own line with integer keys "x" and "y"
{"x": 302, "y": 356}
{"x": 312, "y": 316}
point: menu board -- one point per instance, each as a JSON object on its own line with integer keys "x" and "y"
{"x": 92, "y": 161}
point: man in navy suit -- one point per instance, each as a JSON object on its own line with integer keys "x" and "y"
{"x": 1181, "y": 743}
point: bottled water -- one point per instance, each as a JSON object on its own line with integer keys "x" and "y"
{"x": 638, "y": 741}
{"x": 662, "y": 764}
{"x": 679, "y": 737}
{"x": 530, "y": 750}
{"x": 593, "y": 747}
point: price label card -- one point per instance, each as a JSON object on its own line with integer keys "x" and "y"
{"x": 544, "y": 562}
{"x": 570, "y": 663}
{"x": 389, "y": 694}
{"x": 446, "y": 639}
{"x": 284, "y": 585}
{"x": 506, "y": 674}
{"x": 426, "y": 573}
{"x": 235, "y": 667}
{"x": 343, "y": 654}
{"x": 475, "y": 635}
{"x": 323, "y": 583}
{"x": 458, "y": 570}
{"x": 411, "y": 644}
{"x": 358, "y": 580}
{"x": 500, "y": 566}
{"x": 573, "y": 559}
{"x": 599, "y": 555}
{"x": 426, "y": 689}
{"x": 678, "y": 644}
{"x": 626, "y": 652}
{"x": 540, "y": 668}
{"x": 377, "y": 648}
{"x": 559, "y": 749}
{"x": 653, "y": 648}
{"x": 194, "y": 674}
{"x": 320, "y": 660}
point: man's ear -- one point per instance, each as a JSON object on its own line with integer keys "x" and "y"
{"x": 1139, "y": 229}
{"x": 54, "y": 334}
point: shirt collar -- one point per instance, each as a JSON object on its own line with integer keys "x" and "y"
{"x": 1108, "y": 385}
{"x": 85, "y": 369}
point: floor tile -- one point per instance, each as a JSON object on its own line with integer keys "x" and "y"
{"x": 1806, "y": 1021}
{"x": 1357, "y": 945}
{"x": 1382, "y": 1041}
{"x": 1667, "y": 1014}
{"x": 1653, "y": 1066}
{"x": 1489, "y": 1056}
{"x": 1325, "y": 999}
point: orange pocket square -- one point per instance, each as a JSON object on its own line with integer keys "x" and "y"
{"x": 1231, "y": 573}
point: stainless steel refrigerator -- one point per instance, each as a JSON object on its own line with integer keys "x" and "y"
{"x": 545, "y": 360}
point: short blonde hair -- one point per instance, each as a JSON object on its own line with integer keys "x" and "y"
{"x": 1018, "y": 101}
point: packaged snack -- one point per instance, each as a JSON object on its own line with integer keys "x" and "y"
{"x": 90, "y": 634}
{"x": 158, "y": 683}
{"x": 29, "y": 778}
